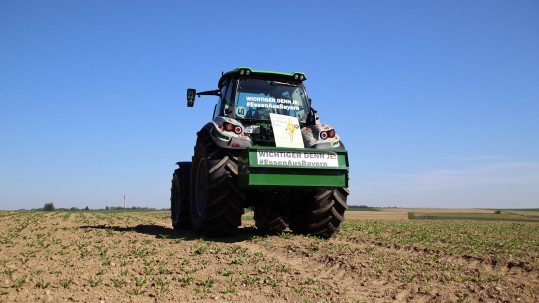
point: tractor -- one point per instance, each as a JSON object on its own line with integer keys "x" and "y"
{"x": 264, "y": 149}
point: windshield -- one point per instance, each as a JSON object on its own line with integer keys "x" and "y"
{"x": 256, "y": 99}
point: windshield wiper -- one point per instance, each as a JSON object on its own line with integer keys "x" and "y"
{"x": 282, "y": 83}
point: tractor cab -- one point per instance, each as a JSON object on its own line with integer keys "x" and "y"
{"x": 246, "y": 94}
{"x": 249, "y": 97}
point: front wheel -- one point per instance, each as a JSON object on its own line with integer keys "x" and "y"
{"x": 179, "y": 197}
{"x": 320, "y": 213}
{"x": 270, "y": 218}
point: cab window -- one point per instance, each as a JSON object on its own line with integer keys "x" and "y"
{"x": 221, "y": 107}
{"x": 257, "y": 98}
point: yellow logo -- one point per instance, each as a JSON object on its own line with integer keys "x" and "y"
{"x": 290, "y": 129}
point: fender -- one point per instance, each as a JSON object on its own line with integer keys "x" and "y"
{"x": 223, "y": 138}
{"x": 321, "y": 136}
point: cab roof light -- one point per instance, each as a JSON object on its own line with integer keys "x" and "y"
{"x": 300, "y": 76}
{"x": 245, "y": 71}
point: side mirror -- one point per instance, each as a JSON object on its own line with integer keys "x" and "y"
{"x": 191, "y": 93}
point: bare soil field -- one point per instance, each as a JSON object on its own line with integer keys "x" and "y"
{"x": 138, "y": 257}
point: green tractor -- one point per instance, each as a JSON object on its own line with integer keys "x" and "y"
{"x": 266, "y": 149}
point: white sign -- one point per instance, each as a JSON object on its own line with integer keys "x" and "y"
{"x": 286, "y": 130}
{"x": 297, "y": 158}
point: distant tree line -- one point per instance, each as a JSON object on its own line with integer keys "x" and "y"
{"x": 130, "y": 208}
{"x": 359, "y": 206}
{"x": 50, "y": 207}
{"x": 365, "y": 206}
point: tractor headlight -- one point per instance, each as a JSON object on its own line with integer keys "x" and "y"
{"x": 229, "y": 127}
{"x": 324, "y": 135}
{"x": 327, "y": 134}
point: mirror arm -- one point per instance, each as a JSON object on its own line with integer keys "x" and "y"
{"x": 210, "y": 93}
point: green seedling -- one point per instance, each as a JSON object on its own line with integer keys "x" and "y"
{"x": 162, "y": 286}
{"x": 205, "y": 285}
{"x": 17, "y": 283}
{"x": 272, "y": 281}
{"x": 105, "y": 260}
{"x": 264, "y": 268}
{"x": 43, "y": 284}
{"x": 164, "y": 271}
{"x": 227, "y": 272}
{"x": 135, "y": 291}
{"x": 37, "y": 272}
{"x": 285, "y": 235}
{"x": 284, "y": 269}
{"x": 110, "y": 232}
{"x": 200, "y": 250}
{"x": 161, "y": 282}
{"x": 147, "y": 262}
{"x": 409, "y": 278}
{"x": 249, "y": 279}
{"x": 66, "y": 283}
{"x": 298, "y": 288}
{"x": 118, "y": 283}
{"x": 186, "y": 280}
{"x": 94, "y": 281}
{"x": 230, "y": 288}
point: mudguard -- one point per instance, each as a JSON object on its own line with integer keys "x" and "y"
{"x": 224, "y": 138}
{"x": 313, "y": 137}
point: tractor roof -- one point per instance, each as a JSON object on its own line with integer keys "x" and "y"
{"x": 248, "y": 72}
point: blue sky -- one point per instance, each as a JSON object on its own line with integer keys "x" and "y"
{"x": 436, "y": 101}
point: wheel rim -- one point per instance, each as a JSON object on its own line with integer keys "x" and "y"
{"x": 201, "y": 187}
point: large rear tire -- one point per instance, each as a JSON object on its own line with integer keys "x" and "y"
{"x": 216, "y": 201}
{"x": 320, "y": 213}
{"x": 179, "y": 197}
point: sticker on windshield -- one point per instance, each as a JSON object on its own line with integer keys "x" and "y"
{"x": 241, "y": 112}
{"x": 272, "y": 103}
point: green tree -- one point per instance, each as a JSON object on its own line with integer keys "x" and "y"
{"x": 49, "y": 207}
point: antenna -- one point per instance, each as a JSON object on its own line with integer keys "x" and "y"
{"x": 125, "y": 197}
